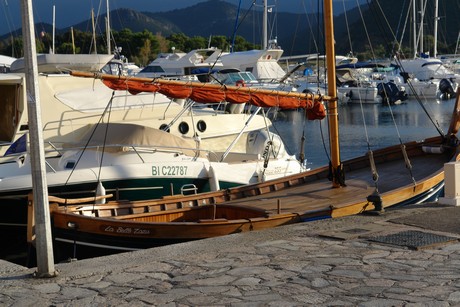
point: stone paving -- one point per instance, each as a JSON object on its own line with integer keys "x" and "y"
{"x": 287, "y": 266}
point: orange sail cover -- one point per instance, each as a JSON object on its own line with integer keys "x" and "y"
{"x": 215, "y": 93}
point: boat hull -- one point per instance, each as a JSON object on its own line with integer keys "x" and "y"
{"x": 145, "y": 230}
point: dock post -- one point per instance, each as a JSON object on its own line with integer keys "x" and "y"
{"x": 451, "y": 184}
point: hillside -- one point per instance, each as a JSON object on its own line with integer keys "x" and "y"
{"x": 296, "y": 33}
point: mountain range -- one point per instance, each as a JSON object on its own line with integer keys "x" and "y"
{"x": 297, "y": 33}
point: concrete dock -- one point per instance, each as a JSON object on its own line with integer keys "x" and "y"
{"x": 405, "y": 257}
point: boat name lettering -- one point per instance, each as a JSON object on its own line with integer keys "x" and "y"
{"x": 139, "y": 231}
{"x": 169, "y": 170}
{"x": 127, "y": 230}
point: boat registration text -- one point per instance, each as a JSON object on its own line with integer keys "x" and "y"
{"x": 169, "y": 170}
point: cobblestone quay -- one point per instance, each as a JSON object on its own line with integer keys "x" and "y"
{"x": 353, "y": 261}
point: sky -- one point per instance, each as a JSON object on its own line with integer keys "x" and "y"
{"x": 70, "y": 12}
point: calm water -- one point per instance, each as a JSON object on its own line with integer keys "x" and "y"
{"x": 381, "y": 122}
{"x": 385, "y": 126}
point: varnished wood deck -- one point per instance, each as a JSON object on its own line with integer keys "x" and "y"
{"x": 320, "y": 196}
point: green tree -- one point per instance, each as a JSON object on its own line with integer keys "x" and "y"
{"x": 145, "y": 53}
{"x": 178, "y": 41}
{"x": 124, "y": 39}
{"x": 163, "y": 43}
{"x": 220, "y": 42}
{"x": 196, "y": 42}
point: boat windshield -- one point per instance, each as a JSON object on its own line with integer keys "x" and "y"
{"x": 234, "y": 77}
{"x": 152, "y": 69}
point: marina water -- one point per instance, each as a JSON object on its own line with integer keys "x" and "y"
{"x": 364, "y": 126}
{"x": 360, "y": 127}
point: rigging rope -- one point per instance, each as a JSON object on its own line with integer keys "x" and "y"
{"x": 346, "y": 22}
{"x": 398, "y": 60}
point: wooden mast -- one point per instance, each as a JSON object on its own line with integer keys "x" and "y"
{"x": 332, "y": 92}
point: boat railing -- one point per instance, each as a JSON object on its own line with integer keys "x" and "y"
{"x": 58, "y": 150}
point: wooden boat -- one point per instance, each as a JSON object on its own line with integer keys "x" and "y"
{"x": 120, "y": 226}
{"x": 412, "y": 172}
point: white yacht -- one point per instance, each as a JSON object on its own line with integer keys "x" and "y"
{"x": 136, "y": 146}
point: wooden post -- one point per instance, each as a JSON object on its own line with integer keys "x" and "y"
{"x": 332, "y": 92}
{"x": 43, "y": 241}
{"x": 30, "y": 220}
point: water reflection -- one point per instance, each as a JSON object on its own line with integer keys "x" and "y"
{"x": 360, "y": 128}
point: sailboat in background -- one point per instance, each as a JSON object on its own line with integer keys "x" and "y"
{"x": 406, "y": 173}
{"x": 424, "y": 75}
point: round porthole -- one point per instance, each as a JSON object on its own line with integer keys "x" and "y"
{"x": 201, "y": 125}
{"x": 163, "y": 127}
{"x": 183, "y": 128}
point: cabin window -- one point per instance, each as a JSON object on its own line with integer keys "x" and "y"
{"x": 183, "y": 128}
{"x": 201, "y": 125}
{"x": 153, "y": 68}
{"x": 164, "y": 127}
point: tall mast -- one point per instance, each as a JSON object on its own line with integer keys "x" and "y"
{"x": 109, "y": 48}
{"x": 414, "y": 25}
{"x": 456, "y": 46}
{"x": 264, "y": 26}
{"x": 54, "y": 28}
{"x": 332, "y": 92}
{"x": 436, "y": 18}
{"x": 422, "y": 17}
{"x": 44, "y": 246}
{"x": 94, "y": 31}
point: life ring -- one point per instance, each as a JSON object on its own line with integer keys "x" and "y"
{"x": 240, "y": 83}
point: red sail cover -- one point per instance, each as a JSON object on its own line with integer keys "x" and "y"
{"x": 217, "y": 94}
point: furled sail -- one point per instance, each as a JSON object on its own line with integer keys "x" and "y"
{"x": 215, "y": 93}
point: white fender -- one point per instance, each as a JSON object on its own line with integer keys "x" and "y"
{"x": 100, "y": 191}
{"x": 213, "y": 179}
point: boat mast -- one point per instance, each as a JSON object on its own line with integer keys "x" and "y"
{"x": 420, "y": 31}
{"x": 73, "y": 40}
{"x": 414, "y": 25}
{"x": 436, "y": 18}
{"x": 43, "y": 242}
{"x": 54, "y": 28}
{"x": 332, "y": 92}
{"x": 264, "y": 26}
{"x": 422, "y": 18}
{"x": 458, "y": 40}
{"x": 109, "y": 48}
{"x": 94, "y": 31}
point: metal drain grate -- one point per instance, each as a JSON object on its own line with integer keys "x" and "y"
{"x": 414, "y": 239}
